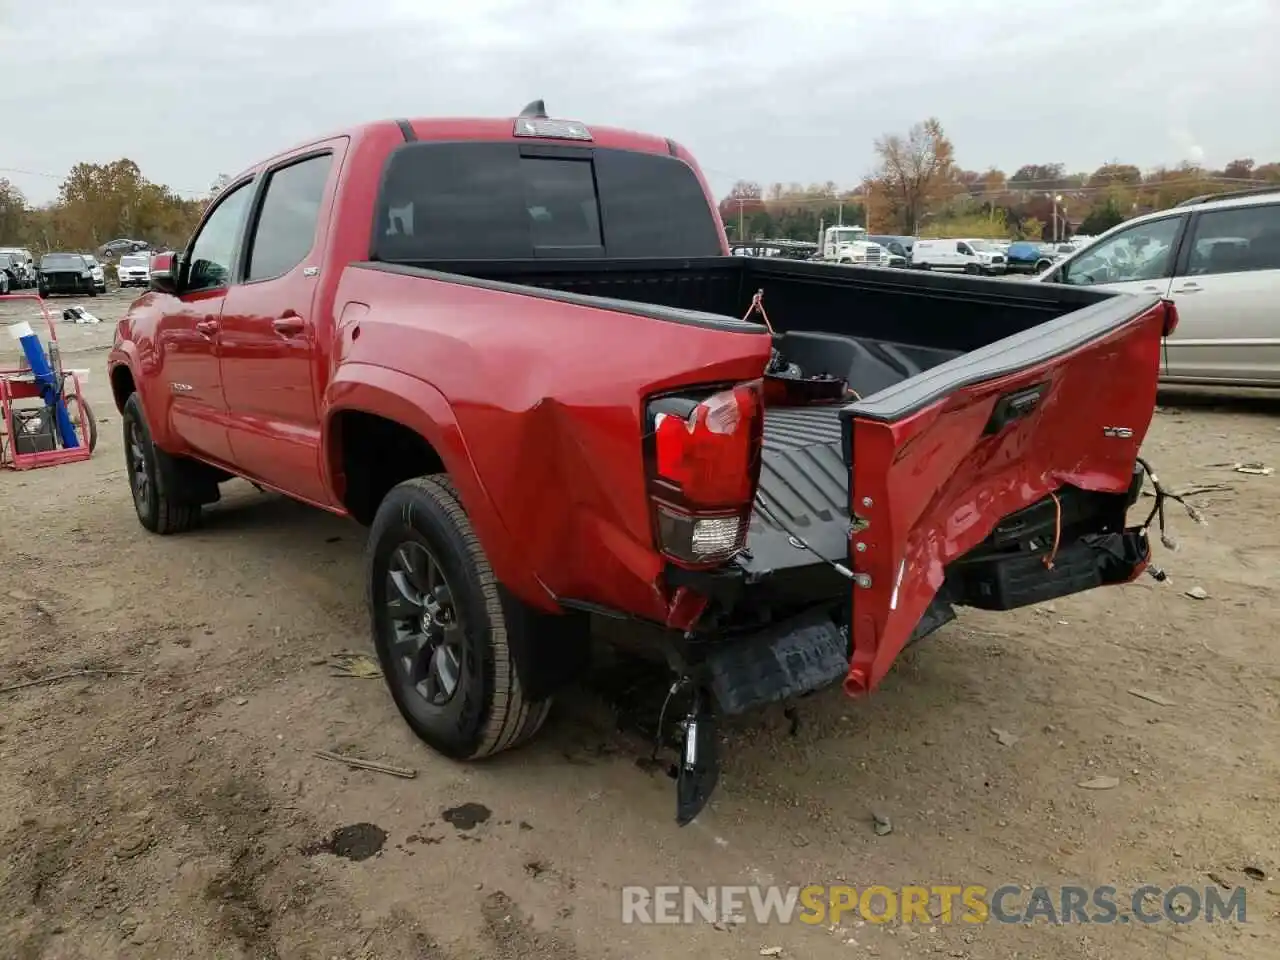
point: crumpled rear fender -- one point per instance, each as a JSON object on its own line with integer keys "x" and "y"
{"x": 422, "y": 408}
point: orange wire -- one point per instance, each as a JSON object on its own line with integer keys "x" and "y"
{"x": 1057, "y": 531}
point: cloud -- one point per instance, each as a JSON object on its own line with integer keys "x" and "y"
{"x": 756, "y": 89}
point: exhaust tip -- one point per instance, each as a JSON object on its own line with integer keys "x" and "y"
{"x": 855, "y": 684}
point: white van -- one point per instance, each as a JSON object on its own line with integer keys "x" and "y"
{"x": 971, "y": 256}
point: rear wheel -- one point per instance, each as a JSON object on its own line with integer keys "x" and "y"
{"x": 440, "y": 626}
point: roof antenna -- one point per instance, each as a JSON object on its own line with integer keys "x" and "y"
{"x": 535, "y": 108}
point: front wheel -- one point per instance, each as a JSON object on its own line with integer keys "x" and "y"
{"x": 4, "y": 284}
{"x": 162, "y": 505}
{"x": 441, "y": 628}
{"x": 972, "y": 269}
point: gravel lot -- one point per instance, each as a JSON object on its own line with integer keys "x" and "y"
{"x": 179, "y": 811}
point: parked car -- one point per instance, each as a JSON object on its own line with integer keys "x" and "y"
{"x": 1218, "y": 259}
{"x": 1028, "y": 256}
{"x": 99, "y": 274}
{"x": 66, "y": 273}
{"x": 970, "y": 256}
{"x": 516, "y": 350}
{"x": 899, "y": 249}
{"x": 134, "y": 270}
{"x": 114, "y": 248}
{"x": 12, "y": 273}
{"x": 23, "y": 274}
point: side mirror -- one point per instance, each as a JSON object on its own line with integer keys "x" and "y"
{"x": 164, "y": 273}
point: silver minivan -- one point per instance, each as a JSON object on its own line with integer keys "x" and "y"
{"x": 1218, "y": 259}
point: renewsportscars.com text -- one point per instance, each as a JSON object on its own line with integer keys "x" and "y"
{"x": 831, "y": 904}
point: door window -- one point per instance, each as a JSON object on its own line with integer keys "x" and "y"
{"x": 1142, "y": 252}
{"x": 962, "y": 249}
{"x": 213, "y": 254}
{"x": 286, "y": 228}
{"x": 1237, "y": 240}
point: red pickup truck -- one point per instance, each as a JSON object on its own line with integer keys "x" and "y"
{"x": 519, "y": 352}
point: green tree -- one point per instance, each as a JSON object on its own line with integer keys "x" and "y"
{"x": 1102, "y": 217}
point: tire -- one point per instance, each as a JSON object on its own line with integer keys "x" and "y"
{"x": 4, "y": 284}
{"x": 163, "y": 507}
{"x": 93, "y": 291}
{"x": 486, "y": 712}
{"x": 1043, "y": 265}
{"x": 42, "y": 293}
{"x": 972, "y": 269}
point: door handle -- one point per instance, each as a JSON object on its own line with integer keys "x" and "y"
{"x": 288, "y": 326}
{"x": 207, "y": 327}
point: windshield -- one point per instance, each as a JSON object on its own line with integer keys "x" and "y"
{"x": 848, "y": 236}
{"x": 985, "y": 245}
{"x": 133, "y": 261}
{"x": 62, "y": 261}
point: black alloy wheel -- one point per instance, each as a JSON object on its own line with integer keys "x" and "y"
{"x": 427, "y": 630}
{"x": 140, "y": 480}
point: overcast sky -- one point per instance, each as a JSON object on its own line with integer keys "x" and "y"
{"x": 768, "y": 90}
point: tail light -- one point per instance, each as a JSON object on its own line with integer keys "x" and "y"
{"x": 704, "y": 463}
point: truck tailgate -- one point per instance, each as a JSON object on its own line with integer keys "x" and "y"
{"x": 938, "y": 460}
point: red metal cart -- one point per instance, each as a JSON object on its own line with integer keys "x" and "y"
{"x": 28, "y": 437}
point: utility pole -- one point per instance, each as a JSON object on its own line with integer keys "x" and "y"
{"x": 741, "y": 235}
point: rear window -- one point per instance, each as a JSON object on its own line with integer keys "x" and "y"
{"x": 480, "y": 201}
{"x": 133, "y": 261}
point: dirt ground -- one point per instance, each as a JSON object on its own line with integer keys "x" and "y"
{"x": 178, "y": 810}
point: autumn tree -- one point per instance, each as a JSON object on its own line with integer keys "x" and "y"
{"x": 1239, "y": 169}
{"x": 914, "y": 171}
{"x": 1039, "y": 176}
{"x": 1115, "y": 174}
{"x": 13, "y": 213}
{"x": 1031, "y": 229}
{"x": 745, "y": 201}
{"x": 98, "y": 202}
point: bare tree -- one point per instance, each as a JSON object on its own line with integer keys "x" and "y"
{"x": 913, "y": 171}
